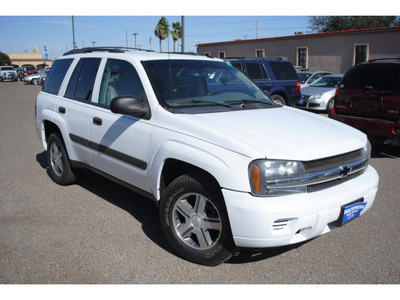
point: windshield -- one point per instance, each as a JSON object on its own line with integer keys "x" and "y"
{"x": 199, "y": 84}
{"x": 303, "y": 77}
{"x": 327, "y": 81}
{"x": 7, "y": 69}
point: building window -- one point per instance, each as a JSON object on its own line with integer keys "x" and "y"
{"x": 360, "y": 53}
{"x": 221, "y": 54}
{"x": 260, "y": 53}
{"x": 302, "y": 55}
{"x": 207, "y": 53}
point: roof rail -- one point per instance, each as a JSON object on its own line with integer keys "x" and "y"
{"x": 104, "y": 49}
{"x": 260, "y": 58}
{"x": 184, "y": 53}
{"x": 388, "y": 58}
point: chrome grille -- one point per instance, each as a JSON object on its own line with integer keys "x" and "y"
{"x": 332, "y": 162}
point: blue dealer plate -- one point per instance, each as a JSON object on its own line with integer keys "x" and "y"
{"x": 351, "y": 211}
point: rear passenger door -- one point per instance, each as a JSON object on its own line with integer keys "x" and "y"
{"x": 119, "y": 143}
{"x": 76, "y": 106}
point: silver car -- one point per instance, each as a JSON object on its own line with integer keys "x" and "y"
{"x": 308, "y": 77}
{"x": 320, "y": 94}
{"x": 35, "y": 78}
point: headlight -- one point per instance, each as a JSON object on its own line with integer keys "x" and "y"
{"x": 276, "y": 177}
{"x": 366, "y": 151}
{"x": 316, "y": 97}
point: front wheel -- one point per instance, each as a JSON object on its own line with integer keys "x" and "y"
{"x": 195, "y": 222}
{"x": 59, "y": 165}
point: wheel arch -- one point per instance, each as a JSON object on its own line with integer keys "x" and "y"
{"x": 214, "y": 164}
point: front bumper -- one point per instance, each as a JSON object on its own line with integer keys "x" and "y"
{"x": 262, "y": 222}
{"x": 9, "y": 76}
{"x": 312, "y": 103}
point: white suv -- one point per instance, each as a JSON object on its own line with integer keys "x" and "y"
{"x": 227, "y": 166}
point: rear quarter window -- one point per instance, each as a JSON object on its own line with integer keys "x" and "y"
{"x": 283, "y": 70}
{"x": 56, "y": 76}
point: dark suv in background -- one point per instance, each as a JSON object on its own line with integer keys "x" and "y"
{"x": 368, "y": 99}
{"x": 275, "y": 76}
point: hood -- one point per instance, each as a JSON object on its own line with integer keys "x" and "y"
{"x": 311, "y": 90}
{"x": 277, "y": 133}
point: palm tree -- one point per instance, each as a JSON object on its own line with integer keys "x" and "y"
{"x": 177, "y": 32}
{"x": 162, "y": 30}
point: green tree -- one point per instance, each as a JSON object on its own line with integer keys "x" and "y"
{"x": 4, "y": 59}
{"x": 335, "y": 23}
{"x": 176, "y": 32}
{"x": 162, "y": 30}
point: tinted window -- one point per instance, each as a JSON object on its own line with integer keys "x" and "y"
{"x": 256, "y": 71}
{"x": 198, "y": 86}
{"x": 283, "y": 70}
{"x": 119, "y": 79}
{"x": 56, "y": 76}
{"x": 81, "y": 84}
{"x": 379, "y": 76}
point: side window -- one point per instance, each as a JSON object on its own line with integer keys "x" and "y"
{"x": 256, "y": 71}
{"x": 119, "y": 79}
{"x": 80, "y": 86}
{"x": 56, "y": 76}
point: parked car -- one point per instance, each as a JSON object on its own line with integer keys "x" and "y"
{"x": 308, "y": 77}
{"x": 369, "y": 99}
{"x": 25, "y": 71}
{"x": 320, "y": 94}
{"x": 35, "y": 78}
{"x": 8, "y": 73}
{"x": 227, "y": 167}
{"x": 275, "y": 76}
{"x": 42, "y": 79}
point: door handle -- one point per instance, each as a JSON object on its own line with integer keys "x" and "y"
{"x": 61, "y": 110}
{"x": 97, "y": 121}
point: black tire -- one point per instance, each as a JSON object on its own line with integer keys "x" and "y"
{"x": 278, "y": 99}
{"x": 195, "y": 222}
{"x": 57, "y": 158}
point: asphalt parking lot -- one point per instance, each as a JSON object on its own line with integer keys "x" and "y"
{"x": 99, "y": 232}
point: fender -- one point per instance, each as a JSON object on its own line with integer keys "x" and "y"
{"x": 229, "y": 168}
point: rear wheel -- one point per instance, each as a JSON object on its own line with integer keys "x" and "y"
{"x": 278, "y": 99}
{"x": 195, "y": 222}
{"x": 59, "y": 165}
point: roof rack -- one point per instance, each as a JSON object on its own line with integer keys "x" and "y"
{"x": 185, "y": 53}
{"x": 260, "y": 58}
{"x": 388, "y": 58}
{"x": 104, "y": 49}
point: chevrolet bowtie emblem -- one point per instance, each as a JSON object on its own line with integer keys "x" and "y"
{"x": 344, "y": 171}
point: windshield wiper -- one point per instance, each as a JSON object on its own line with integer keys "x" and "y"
{"x": 212, "y": 102}
{"x": 245, "y": 101}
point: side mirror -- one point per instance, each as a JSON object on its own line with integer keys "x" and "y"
{"x": 129, "y": 105}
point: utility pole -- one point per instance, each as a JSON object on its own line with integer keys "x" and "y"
{"x": 183, "y": 33}
{"x": 126, "y": 33}
{"x": 150, "y": 43}
{"x": 257, "y": 29}
{"x": 73, "y": 33}
{"x": 135, "y": 34}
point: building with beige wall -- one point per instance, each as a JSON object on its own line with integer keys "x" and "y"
{"x": 330, "y": 51}
{"x": 33, "y": 58}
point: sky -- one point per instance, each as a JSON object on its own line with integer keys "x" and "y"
{"x": 49, "y": 24}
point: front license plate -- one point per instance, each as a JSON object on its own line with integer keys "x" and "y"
{"x": 350, "y": 211}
